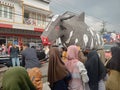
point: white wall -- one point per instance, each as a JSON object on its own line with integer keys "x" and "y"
{"x": 17, "y": 17}
{"x": 37, "y": 3}
{"x": 18, "y": 11}
{"x": 2, "y": 18}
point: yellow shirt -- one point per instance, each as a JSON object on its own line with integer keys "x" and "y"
{"x": 64, "y": 56}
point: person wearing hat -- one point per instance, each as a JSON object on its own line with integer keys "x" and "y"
{"x": 14, "y": 52}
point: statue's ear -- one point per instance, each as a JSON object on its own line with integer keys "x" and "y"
{"x": 82, "y": 16}
{"x": 62, "y": 27}
{"x": 65, "y": 18}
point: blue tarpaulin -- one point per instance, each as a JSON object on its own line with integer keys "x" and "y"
{"x": 107, "y": 37}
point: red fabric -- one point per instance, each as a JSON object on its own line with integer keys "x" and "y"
{"x": 6, "y": 26}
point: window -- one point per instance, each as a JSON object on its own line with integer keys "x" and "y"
{"x": 43, "y": 20}
{"x": 26, "y": 15}
{"x": 26, "y": 18}
{"x": 6, "y": 11}
{"x": 10, "y": 12}
{"x": 33, "y": 17}
{"x": 38, "y": 19}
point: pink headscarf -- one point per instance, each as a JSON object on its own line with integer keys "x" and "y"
{"x": 72, "y": 56}
{"x": 72, "y": 52}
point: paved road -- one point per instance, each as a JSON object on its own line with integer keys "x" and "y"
{"x": 44, "y": 70}
{"x": 45, "y": 86}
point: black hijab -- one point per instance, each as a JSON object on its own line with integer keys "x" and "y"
{"x": 114, "y": 62}
{"x": 95, "y": 68}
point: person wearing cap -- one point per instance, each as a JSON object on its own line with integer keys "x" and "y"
{"x": 14, "y": 52}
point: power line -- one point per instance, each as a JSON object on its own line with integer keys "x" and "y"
{"x": 71, "y": 8}
{"x": 58, "y": 3}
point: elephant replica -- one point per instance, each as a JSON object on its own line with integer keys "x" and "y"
{"x": 72, "y": 30}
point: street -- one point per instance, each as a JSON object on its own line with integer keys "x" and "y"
{"x": 44, "y": 70}
{"x": 32, "y": 31}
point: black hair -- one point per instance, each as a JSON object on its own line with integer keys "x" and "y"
{"x": 27, "y": 44}
{"x": 33, "y": 47}
{"x": 64, "y": 48}
{"x": 118, "y": 44}
{"x": 54, "y": 45}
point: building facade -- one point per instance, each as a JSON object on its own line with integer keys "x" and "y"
{"x": 23, "y": 20}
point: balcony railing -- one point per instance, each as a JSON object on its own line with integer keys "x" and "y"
{"x": 35, "y": 22}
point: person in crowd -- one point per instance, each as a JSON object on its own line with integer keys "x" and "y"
{"x": 81, "y": 55}
{"x": 10, "y": 45}
{"x": 58, "y": 75}
{"x": 76, "y": 68}
{"x": 96, "y": 71}
{"x": 21, "y": 48}
{"x": 16, "y": 78}
{"x": 101, "y": 54}
{"x": 3, "y": 49}
{"x": 32, "y": 66}
{"x": 36, "y": 77}
{"x": 64, "y": 54}
{"x": 33, "y": 47}
{"x": 14, "y": 52}
{"x": 46, "y": 50}
{"x": 29, "y": 57}
{"x": 113, "y": 82}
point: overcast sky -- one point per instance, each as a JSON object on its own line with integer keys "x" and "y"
{"x": 99, "y": 10}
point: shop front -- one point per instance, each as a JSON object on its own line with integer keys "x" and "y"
{"x": 16, "y": 36}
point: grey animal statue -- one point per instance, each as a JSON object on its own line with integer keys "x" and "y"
{"x": 71, "y": 29}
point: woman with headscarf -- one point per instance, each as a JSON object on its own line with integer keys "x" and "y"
{"x": 81, "y": 55}
{"x": 76, "y": 68}
{"x": 113, "y": 82}
{"x": 96, "y": 71}
{"x": 58, "y": 75}
{"x": 16, "y": 78}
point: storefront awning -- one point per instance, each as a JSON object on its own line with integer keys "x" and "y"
{"x": 20, "y": 26}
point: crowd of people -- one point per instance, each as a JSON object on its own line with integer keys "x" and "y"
{"x": 15, "y": 52}
{"x": 70, "y": 69}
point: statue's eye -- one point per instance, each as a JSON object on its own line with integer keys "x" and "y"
{"x": 57, "y": 28}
